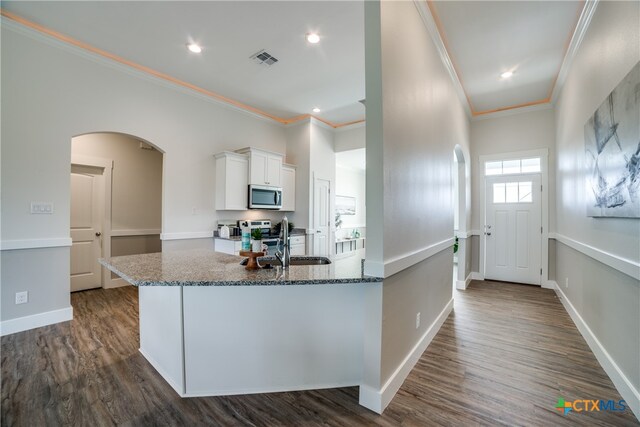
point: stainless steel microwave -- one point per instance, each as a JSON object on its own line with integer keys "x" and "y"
{"x": 265, "y": 197}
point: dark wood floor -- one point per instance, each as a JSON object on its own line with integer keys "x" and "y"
{"x": 504, "y": 357}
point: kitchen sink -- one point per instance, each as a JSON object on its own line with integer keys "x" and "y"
{"x": 295, "y": 260}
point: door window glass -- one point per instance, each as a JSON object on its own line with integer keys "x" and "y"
{"x": 513, "y": 192}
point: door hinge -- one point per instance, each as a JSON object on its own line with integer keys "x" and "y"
{"x": 541, "y": 188}
{"x": 541, "y": 272}
{"x": 540, "y": 230}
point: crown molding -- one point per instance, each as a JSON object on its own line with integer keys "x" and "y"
{"x": 432, "y": 29}
{"x": 576, "y": 40}
{"x": 513, "y": 111}
{"x": 48, "y": 36}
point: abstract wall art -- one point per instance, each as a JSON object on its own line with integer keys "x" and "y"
{"x": 612, "y": 148}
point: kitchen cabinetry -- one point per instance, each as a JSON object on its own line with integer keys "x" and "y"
{"x": 265, "y": 168}
{"x": 231, "y": 247}
{"x": 232, "y": 171}
{"x": 298, "y": 245}
{"x": 288, "y": 188}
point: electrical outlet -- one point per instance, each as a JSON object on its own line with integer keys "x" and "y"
{"x": 566, "y": 282}
{"x": 22, "y": 297}
{"x": 417, "y": 320}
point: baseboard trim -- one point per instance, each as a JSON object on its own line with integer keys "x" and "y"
{"x": 628, "y": 392}
{"x": 549, "y": 284}
{"x": 462, "y": 285}
{"x": 55, "y": 242}
{"x": 39, "y": 320}
{"x": 377, "y": 400}
{"x": 117, "y": 283}
{"x": 186, "y": 235}
{"x": 279, "y": 389}
{"x": 475, "y": 275}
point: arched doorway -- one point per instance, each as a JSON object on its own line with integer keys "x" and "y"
{"x": 461, "y": 255}
{"x": 116, "y": 203}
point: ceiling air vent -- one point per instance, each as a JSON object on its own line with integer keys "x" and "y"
{"x": 264, "y": 58}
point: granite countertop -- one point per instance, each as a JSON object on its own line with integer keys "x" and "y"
{"x": 204, "y": 267}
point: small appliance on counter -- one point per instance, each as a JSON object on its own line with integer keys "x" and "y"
{"x": 228, "y": 228}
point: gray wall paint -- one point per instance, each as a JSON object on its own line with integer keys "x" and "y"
{"x": 350, "y": 138}
{"x": 131, "y": 245}
{"x": 607, "y": 300}
{"x": 423, "y": 288}
{"x": 44, "y": 273}
{"x": 410, "y": 142}
{"x": 552, "y": 259}
{"x": 609, "y": 303}
{"x": 475, "y": 254}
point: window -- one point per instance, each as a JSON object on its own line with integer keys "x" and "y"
{"x": 513, "y": 192}
{"x": 510, "y": 167}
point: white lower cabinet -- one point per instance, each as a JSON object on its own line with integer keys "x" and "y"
{"x": 298, "y": 245}
{"x": 231, "y": 247}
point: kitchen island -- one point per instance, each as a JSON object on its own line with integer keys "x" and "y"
{"x": 210, "y": 327}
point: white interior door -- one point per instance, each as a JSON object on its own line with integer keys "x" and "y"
{"x": 321, "y": 216}
{"x": 513, "y": 228}
{"x": 87, "y": 207}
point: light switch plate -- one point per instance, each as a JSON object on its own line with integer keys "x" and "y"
{"x": 42, "y": 208}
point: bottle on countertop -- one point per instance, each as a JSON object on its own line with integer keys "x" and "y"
{"x": 246, "y": 239}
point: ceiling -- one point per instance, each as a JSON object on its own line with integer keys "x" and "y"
{"x": 328, "y": 75}
{"x": 482, "y": 38}
{"x": 486, "y": 38}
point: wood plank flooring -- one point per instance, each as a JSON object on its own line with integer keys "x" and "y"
{"x": 504, "y": 357}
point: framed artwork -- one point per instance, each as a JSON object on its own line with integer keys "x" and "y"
{"x": 345, "y": 205}
{"x": 612, "y": 148}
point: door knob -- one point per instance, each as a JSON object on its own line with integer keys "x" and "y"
{"x": 98, "y": 234}
{"x": 487, "y": 234}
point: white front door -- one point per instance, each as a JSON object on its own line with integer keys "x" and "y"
{"x": 321, "y": 216}
{"x": 513, "y": 228}
{"x": 87, "y": 198}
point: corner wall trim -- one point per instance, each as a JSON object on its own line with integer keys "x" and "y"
{"x": 624, "y": 265}
{"x": 377, "y": 400}
{"x": 55, "y": 242}
{"x": 33, "y": 321}
{"x": 404, "y": 261}
{"x": 462, "y": 285}
{"x": 186, "y": 235}
{"x": 628, "y": 392}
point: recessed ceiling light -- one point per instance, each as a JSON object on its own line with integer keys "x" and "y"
{"x": 316, "y": 110}
{"x": 313, "y": 38}
{"x": 506, "y": 74}
{"x": 194, "y": 48}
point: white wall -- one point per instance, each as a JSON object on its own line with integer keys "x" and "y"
{"x": 351, "y": 182}
{"x": 51, "y": 93}
{"x": 350, "y": 137}
{"x": 414, "y": 120}
{"x": 607, "y": 299}
{"x": 517, "y": 132}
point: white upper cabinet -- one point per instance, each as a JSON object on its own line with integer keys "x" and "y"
{"x": 265, "y": 168}
{"x": 232, "y": 172}
{"x": 288, "y": 188}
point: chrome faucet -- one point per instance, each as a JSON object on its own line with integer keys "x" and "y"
{"x": 284, "y": 256}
